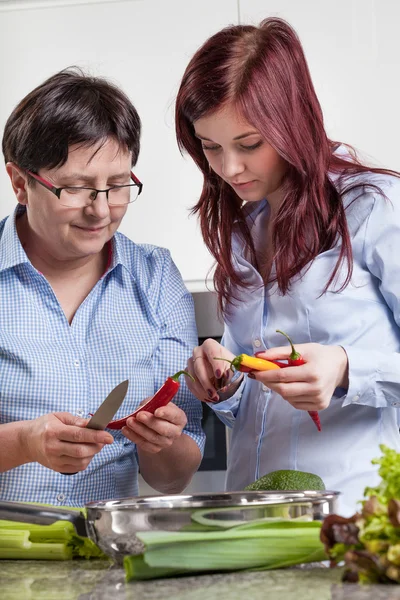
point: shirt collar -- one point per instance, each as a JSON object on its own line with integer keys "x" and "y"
{"x": 11, "y": 250}
{"x": 118, "y": 255}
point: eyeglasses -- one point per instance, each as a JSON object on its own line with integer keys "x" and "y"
{"x": 79, "y": 197}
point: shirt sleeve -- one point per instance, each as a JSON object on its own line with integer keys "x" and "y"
{"x": 227, "y": 409}
{"x": 374, "y": 375}
{"x": 178, "y": 337}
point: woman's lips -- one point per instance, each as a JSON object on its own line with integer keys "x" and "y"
{"x": 242, "y": 185}
{"x": 92, "y": 229}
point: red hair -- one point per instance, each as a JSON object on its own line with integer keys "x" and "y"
{"x": 263, "y": 73}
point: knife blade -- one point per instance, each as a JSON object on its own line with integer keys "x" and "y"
{"x": 109, "y": 407}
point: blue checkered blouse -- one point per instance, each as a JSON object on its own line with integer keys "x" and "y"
{"x": 137, "y": 323}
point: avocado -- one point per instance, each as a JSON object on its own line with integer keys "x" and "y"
{"x": 287, "y": 480}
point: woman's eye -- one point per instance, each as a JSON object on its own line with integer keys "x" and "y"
{"x": 253, "y": 146}
{"x": 209, "y": 147}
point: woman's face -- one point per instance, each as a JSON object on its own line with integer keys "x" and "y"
{"x": 75, "y": 233}
{"x": 236, "y": 151}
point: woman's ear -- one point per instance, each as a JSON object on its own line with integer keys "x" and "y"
{"x": 19, "y": 182}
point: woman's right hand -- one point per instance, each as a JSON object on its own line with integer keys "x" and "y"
{"x": 210, "y": 374}
{"x": 61, "y": 442}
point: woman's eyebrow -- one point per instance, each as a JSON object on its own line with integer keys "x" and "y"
{"x": 244, "y": 135}
{"x": 89, "y": 179}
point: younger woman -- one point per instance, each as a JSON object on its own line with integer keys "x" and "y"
{"x": 306, "y": 240}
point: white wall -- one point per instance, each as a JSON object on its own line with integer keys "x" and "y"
{"x": 352, "y": 46}
{"x": 143, "y": 46}
{"x": 353, "y": 51}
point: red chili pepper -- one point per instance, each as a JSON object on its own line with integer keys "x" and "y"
{"x": 295, "y": 359}
{"x": 161, "y": 398}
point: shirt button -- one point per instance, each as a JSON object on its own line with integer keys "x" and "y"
{"x": 80, "y": 412}
{"x": 395, "y": 403}
{"x": 60, "y": 497}
{"x": 257, "y": 343}
{"x": 76, "y": 363}
{"x": 356, "y": 398}
{"x": 264, "y": 388}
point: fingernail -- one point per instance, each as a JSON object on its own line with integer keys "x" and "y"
{"x": 210, "y": 393}
{"x": 251, "y": 375}
{"x": 218, "y": 373}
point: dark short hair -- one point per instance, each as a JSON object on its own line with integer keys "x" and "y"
{"x": 69, "y": 108}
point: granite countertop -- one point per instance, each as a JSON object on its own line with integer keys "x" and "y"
{"x": 100, "y": 580}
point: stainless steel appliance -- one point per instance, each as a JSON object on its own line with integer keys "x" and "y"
{"x": 211, "y": 474}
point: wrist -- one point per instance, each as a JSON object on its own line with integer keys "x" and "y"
{"x": 229, "y": 390}
{"x": 343, "y": 371}
{"x": 23, "y": 437}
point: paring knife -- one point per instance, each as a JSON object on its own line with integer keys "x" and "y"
{"x": 107, "y": 409}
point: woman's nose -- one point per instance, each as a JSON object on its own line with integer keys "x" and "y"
{"x": 232, "y": 165}
{"x": 99, "y": 206}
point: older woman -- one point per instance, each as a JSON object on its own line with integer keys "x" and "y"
{"x": 83, "y": 308}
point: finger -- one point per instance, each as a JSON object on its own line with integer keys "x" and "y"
{"x": 141, "y": 442}
{"x": 171, "y": 414}
{"x": 83, "y": 435}
{"x": 211, "y": 349}
{"x": 281, "y": 376}
{"x": 197, "y": 389}
{"x": 279, "y": 353}
{"x": 80, "y": 451}
{"x": 145, "y": 432}
{"x": 159, "y": 426}
{"x": 202, "y": 368}
{"x": 202, "y": 388}
{"x": 219, "y": 362}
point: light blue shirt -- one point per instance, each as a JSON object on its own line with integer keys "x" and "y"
{"x": 268, "y": 433}
{"x": 137, "y": 323}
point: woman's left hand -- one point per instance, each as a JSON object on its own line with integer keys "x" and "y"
{"x": 309, "y": 386}
{"x": 153, "y": 433}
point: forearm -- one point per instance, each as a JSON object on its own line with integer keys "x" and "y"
{"x": 13, "y": 451}
{"x": 170, "y": 470}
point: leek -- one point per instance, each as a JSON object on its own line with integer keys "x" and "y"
{"x": 257, "y": 546}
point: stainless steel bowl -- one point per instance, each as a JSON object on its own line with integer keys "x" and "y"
{"x": 113, "y": 524}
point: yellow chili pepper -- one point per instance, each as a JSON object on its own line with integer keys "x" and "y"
{"x": 246, "y": 363}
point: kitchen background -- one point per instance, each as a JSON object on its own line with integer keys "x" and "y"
{"x": 353, "y": 50}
